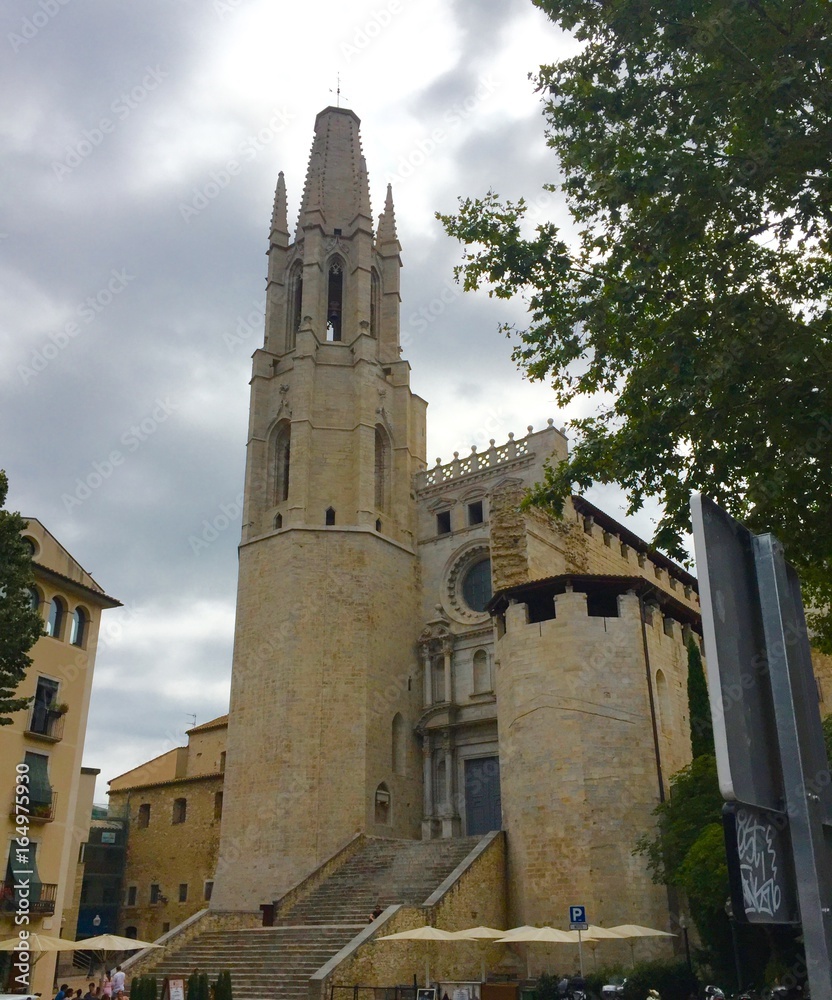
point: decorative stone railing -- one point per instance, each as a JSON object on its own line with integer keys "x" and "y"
{"x": 477, "y": 461}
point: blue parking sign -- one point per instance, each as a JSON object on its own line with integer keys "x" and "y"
{"x": 577, "y": 914}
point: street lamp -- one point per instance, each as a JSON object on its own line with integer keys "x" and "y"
{"x": 684, "y": 926}
{"x": 729, "y": 910}
{"x": 96, "y": 921}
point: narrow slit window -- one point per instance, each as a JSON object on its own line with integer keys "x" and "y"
{"x": 330, "y": 515}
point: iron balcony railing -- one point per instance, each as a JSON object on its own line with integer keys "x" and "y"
{"x": 40, "y": 899}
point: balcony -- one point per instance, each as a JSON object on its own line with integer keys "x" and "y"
{"x": 41, "y": 898}
{"x": 41, "y": 811}
{"x": 45, "y": 724}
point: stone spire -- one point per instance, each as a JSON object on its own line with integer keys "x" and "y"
{"x": 387, "y": 221}
{"x": 280, "y": 220}
{"x": 336, "y": 191}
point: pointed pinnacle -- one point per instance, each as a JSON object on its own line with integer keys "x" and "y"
{"x": 280, "y": 220}
{"x": 387, "y": 220}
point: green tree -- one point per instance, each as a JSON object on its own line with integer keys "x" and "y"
{"x": 699, "y": 706}
{"x": 20, "y": 623}
{"x": 693, "y": 306}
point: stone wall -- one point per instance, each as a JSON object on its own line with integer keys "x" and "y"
{"x": 169, "y": 854}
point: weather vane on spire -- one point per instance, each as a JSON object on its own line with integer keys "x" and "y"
{"x": 337, "y": 90}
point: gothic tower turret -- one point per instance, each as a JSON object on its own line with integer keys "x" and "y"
{"x": 323, "y": 701}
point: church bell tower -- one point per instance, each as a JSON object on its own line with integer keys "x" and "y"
{"x": 324, "y": 692}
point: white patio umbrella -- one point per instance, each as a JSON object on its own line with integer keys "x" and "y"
{"x": 526, "y": 934}
{"x": 37, "y": 945}
{"x": 101, "y": 944}
{"x": 592, "y": 935}
{"x": 481, "y": 934}
{"x": 427, "y": 934}
{"x": 633, "y": 931}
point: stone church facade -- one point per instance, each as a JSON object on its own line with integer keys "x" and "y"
{"x": 415, "y": 656}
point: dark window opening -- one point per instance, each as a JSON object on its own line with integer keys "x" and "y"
{"x": 154, "y": 892}
{"x": 217, "y": 805}
{"x": 295, "y": 304}
{"x": 131, "y": 932}
{"x": 222, "y": 760}
{"x": 180, "y": 810}
{"x": 209, "y": 888}
{"x": 143, "y": 818}
{"x": 278, "y": 522}
{"x": 44, "y": 718}
{"x": 335, "y": 301}
{"x": 475, "y": 512}
{"x": 443, "y": 522}
{"x": 183, "y": 892}
{"x": 541, "y": 607}
{"x": 282, "y": 462}
{"x": 476, "y": 586}
{"x": 330, "y": 515}
{"x": 602, "y": 605}
{"x": 337, "y": 232}
{"x": 375, "y": 304}
{"x": 132, "y": 892}
{"x": 378, "y": 525}
{"x": 165, "y": 926}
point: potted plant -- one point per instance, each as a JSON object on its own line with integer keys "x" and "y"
{"x": 60, "y": 708}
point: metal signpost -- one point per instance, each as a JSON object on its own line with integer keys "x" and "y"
{"x": 771, "y": 758}
{"x": 578, "y": 922}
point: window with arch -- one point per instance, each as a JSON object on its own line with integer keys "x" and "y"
{"x": 78, "y": 631}
{"x": 482, "y": 672}
{"x": 382, "y": 805}
{"x": 180, "y": 811}
{"x": 294, "y": 303}
{"x": 399, "y": 737}
{"x": 334, "y": 299}
{"x": 329, "y": 517}
{"x": 438, "y": 678}
{"x": 663, "y": 698}
{"x": 57, "y": 614}
{"x": 382, "y": 469}
{"x": 34, "y": 598}
{"x": 278, "y": 522}
{"x": 281, "y": 458}
{"x": 476, "y": 585}
{"x": 375, "y": 303}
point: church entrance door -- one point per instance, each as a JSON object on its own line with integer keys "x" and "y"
{"x": 482, "y": 795}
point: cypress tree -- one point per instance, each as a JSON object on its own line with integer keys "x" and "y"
{"x": 699, "y": 706}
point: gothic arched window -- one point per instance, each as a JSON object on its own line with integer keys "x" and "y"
{"x": 281, "y": 460}
{"x": 399, "y": 737}
{"x": 375, "y": 303}
{"x": 382, "y": 469}
{"x": 334, "y": 299}
{"x": 294, "y": 303}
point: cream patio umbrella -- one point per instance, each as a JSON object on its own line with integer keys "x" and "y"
{"x": 481, "y": 934}
{"x": 37, "y": 944}
{"x": 427, "y": 934}
{"x": 633, "y": 931}
{"x": 592, "y": 935}
{"x": 101, "y": 944}
{"x": 526, "y": 934}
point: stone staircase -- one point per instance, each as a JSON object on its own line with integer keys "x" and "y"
{"x": 277, "y": 962}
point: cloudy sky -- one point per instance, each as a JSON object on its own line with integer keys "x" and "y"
{"x": 133, "y": 272}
